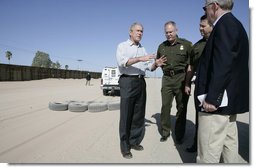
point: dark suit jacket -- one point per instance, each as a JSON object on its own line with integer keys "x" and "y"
{"x": 224, "y": 64}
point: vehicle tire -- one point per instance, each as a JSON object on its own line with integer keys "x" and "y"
{"x": 78, "y": 106}
{"x": 115, "y": 105}
{"x": 89, "y": 102}
{"x": 105, "y": 92}
{"x": 97, "y": 107}
{"x": 71, "y": 101}
{"x": 58, "y": 106}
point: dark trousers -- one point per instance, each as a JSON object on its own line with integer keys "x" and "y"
{"x": 196, "y": 102}
{"x": 132, "y": 111}
{"x": 195, "y": 140}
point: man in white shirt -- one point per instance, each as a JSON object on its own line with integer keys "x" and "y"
{"x": 133, "y": 61}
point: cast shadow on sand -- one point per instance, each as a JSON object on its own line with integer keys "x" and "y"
{"x": 243, "y": 134}
{"x": 187, "y": 141}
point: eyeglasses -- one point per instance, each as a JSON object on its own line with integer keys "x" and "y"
{"x": 204, "y": 8}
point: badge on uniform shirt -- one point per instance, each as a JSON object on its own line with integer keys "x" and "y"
{"x": 181, "y": 47}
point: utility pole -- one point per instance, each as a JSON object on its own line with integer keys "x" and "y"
{"x": 79, "y": 60}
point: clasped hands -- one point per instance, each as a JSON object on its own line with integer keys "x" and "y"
{"x": 208, "y": 107}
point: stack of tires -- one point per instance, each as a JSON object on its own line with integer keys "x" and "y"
{"x": 82, "y": 106}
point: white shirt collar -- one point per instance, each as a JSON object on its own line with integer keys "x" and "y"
{"x": 132, "y": 43}
{"x": 219, "y": 18}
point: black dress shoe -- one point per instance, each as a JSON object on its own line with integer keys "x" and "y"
{"x": 137, "y": 147}
{"x": 163, "y": 139}
{"x": 127, "y": 155}
{"x": 192, "y": 149}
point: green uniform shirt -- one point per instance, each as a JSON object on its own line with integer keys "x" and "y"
{"x": 178, "y": 55}
{"x": 196, "y": 52}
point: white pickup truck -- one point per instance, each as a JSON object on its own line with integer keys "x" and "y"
{"x": 109, "y": 81}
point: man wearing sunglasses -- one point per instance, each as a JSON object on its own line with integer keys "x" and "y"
{"x": 223, "y": 82}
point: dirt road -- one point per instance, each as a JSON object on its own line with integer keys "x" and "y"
{"x": 31, "y": 133}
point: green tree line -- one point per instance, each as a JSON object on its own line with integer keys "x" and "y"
{"x": 41, "y": 59}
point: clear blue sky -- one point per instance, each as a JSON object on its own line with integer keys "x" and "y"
{"x": 90, "y": 30}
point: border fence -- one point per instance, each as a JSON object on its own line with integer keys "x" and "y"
{"x": 9, "y": 72}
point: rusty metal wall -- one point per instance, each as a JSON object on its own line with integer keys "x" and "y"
{"x": 9, "y": 72}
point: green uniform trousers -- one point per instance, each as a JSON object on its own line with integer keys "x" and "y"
{"x": 173, "y": 87}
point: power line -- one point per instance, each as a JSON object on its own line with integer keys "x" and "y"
{"x": 17, "y": 48}
{"x": 89, "y": 63}
{"x": 33, "y": 52}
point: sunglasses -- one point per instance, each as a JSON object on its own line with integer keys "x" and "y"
{"x": 204, "y": 8}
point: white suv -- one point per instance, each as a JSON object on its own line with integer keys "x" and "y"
{"x": 109, "y": 81}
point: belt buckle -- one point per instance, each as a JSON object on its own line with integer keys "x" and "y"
{"x": 139, "y": 76}
{"x": 172, "y": 72}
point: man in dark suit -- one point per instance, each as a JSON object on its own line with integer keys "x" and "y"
{"x": 222, "y": 74}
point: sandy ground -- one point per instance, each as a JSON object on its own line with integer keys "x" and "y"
{"x": 31, "y": 133}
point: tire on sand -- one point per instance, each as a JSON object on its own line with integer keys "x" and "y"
{"x": 114, "y": 105}
{"x": 97, "y": 107}
{"x": 58, "y": 106}
{"x": 78, "y": 106}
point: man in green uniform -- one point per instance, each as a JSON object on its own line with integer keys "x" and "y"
{"x": 205, "y": 29}
{"x": 177, "y": 52}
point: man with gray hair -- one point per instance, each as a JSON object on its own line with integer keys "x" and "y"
{"x": 177, "y": 50}
{"x": 222, "y": 76}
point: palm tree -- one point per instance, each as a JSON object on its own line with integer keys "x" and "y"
{"x": 8, "y": 55}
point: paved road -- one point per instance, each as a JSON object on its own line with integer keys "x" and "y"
{"x": 31, "y": 133}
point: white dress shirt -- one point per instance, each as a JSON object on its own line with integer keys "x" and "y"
{"x": 127, "y": 50}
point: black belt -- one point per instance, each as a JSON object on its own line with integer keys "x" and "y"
{"x": 173, "y": 72}
{"x": 133, "y": 76}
